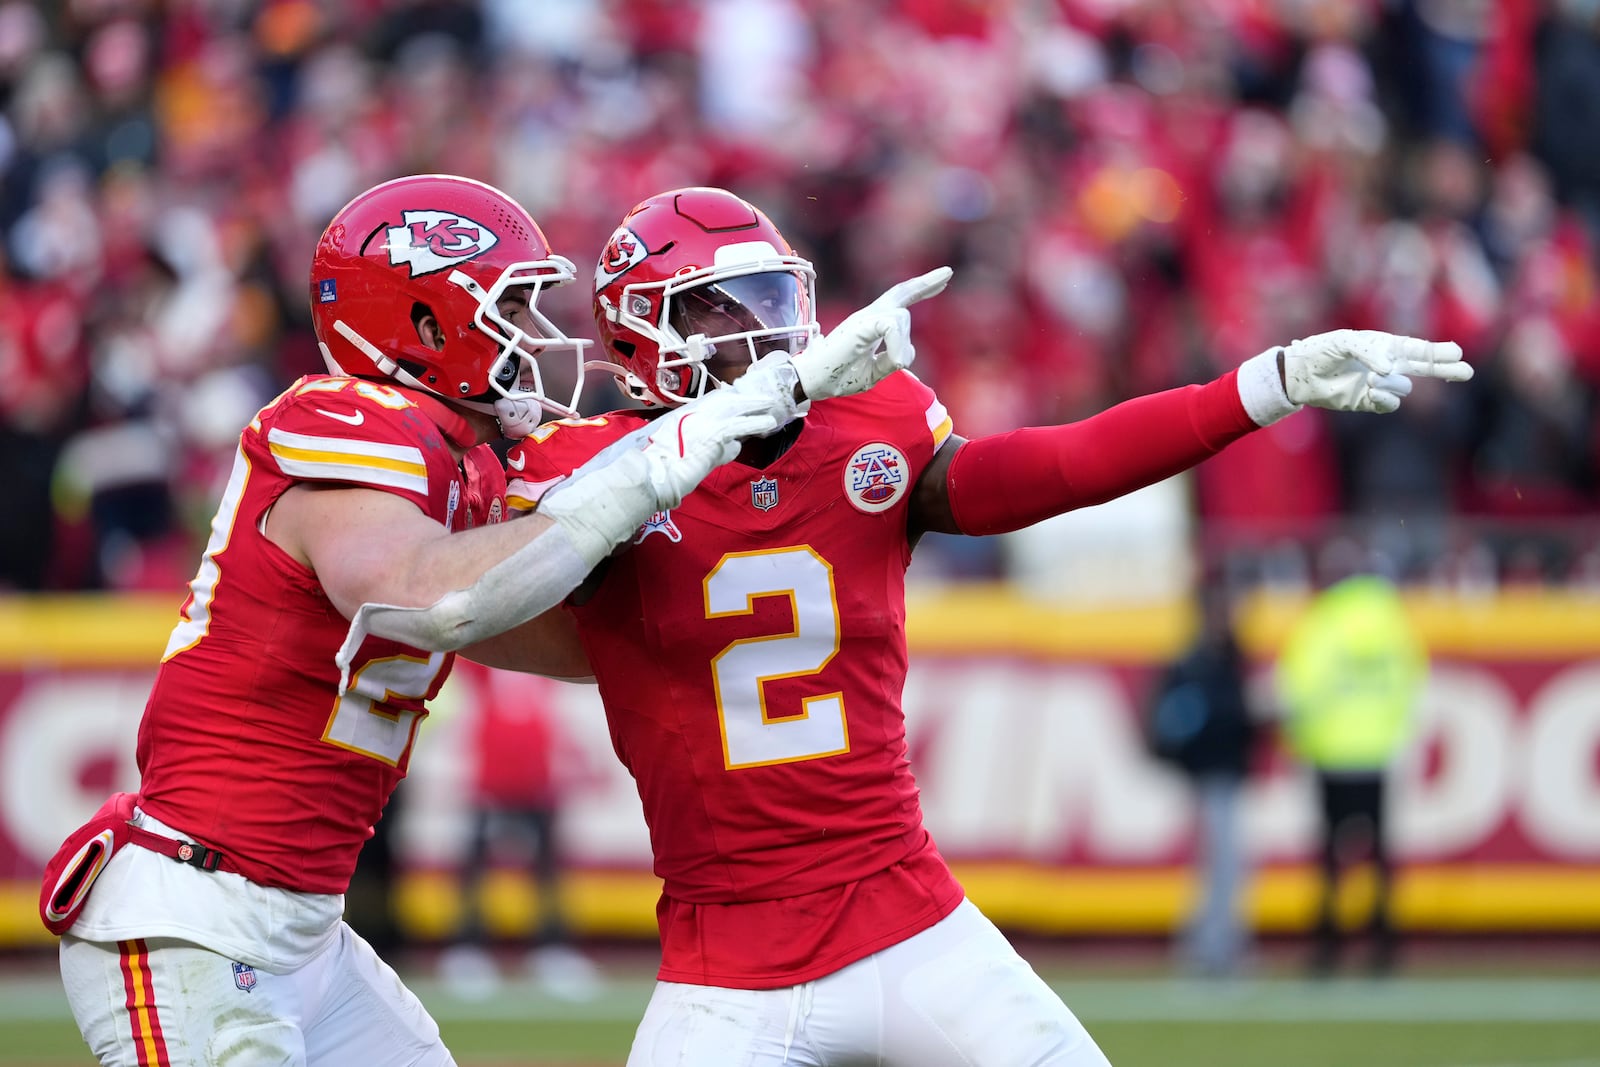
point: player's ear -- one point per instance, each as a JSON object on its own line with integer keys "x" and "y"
{"x": 429, "y": 332}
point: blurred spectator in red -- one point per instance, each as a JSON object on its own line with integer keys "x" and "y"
{"x": 523, "y": 768}
{"x": 43, "y": 376}
{"x": 1134, "y": 194}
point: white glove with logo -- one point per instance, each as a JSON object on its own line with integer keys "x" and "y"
{"x": 686, "y": 444}
{"x": 771, "y": 379}
{"x": 652, "y": 469}
{"x": 870, "y": 344}
{"x": 856, "y": 355}
{"x": 1344, "y": 370}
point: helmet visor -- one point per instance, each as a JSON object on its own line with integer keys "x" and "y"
{"x": 745, "y": 317}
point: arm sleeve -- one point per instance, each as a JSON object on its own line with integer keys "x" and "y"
{"x": 1012, "y": 480}
{"x": 528, "y": 582}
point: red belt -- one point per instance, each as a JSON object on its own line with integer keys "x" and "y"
{"x": 191, "y": 852}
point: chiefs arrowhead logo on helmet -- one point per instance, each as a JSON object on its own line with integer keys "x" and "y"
{"x": 434, "y": 240}
{"x": 621, "y": 252}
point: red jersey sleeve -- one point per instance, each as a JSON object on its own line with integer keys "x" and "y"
{"x": 337, "y": 429}
{"x": 1008, "y": 481}
{"x": 554, "y": 450}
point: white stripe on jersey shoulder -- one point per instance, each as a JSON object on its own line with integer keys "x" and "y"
{"x": 342, "y": 459}
{"x": 939, "y": 423}
{"x": 524, "y": 495}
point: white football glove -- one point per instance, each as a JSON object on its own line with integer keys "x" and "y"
{"x": 1344, "y": 370}
{"x": 771, "y": 378}
{"x": 870, "y": 344}
{"x": 603, "y": 502}
{"x": 685, "y": 445}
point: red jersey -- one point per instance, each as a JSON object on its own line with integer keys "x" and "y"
{"x": 246, "y": 743}
{"x": 749, "y": 647}
{"x": 519, "y": 755}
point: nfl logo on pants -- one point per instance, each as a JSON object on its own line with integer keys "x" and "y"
{"x": 244, "y": 976}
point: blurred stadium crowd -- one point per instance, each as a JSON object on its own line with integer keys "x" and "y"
{"x": 1136, "y": 194}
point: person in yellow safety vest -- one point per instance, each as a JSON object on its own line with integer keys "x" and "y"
{"x": 1349, "y": 678}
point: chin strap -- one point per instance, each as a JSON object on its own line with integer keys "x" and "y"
{"x": 454, "y": 425}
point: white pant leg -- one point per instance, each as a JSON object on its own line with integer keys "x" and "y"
{"x": 194, "y": 1007}
{"x": 954, "y": 995}
{"x": 709, "y": 1026}
{"x": 366, "y": 1015}
{"x": 169, "y": 1002}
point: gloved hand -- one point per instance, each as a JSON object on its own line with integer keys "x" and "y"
{"x": 603, "y": 502}
{"x": 771, "y": 378}
{"x": 1344, "y": 370}
{"x": 683, "y": 446}
{"x": 870, "y": 344}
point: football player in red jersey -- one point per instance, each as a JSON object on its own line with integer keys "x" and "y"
{"x": 357, "y": 544}
{"x": 750, "y": 651}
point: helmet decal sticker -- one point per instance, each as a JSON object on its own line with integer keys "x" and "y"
{"x": 433, "y": 240}
{"x": 622, "y": 252}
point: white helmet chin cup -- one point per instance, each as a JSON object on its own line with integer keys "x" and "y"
{"x": 518, "y": 418}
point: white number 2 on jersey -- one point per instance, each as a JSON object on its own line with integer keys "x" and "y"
{"x": 362, "y": 720}
{"x": 751, "y": 735}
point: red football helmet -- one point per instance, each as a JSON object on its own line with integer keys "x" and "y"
{"x": 693, "y": 279}
{"x": 466, "y": 252}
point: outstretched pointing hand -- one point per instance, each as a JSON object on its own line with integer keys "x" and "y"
{"x": 1365, "y": 370}
{"x": 1347, "y": 370}
{"x": 870, "y": 344}
{"x": 602, "y": 503}
{"x": 1344, "y": 370}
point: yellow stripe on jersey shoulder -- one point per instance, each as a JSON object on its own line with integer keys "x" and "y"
{"x": 342, "y": 459}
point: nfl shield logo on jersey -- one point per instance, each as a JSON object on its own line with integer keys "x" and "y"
{"x": 244, "y": 976}
{"x": 661, "y": 522}
{"x": 764, "y": 493}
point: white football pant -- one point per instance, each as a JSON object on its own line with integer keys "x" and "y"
{"x": 955, "y": 995}
{"x": 160, "y": 1001}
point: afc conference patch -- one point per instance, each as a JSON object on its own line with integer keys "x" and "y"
{"x": 875, "y": 477}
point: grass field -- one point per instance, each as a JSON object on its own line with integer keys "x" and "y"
{"x": 1477, "y": 1011}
